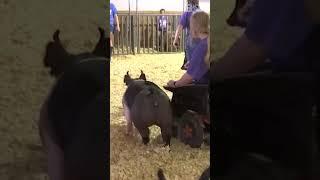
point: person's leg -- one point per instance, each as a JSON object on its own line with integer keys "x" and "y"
{"x": 111, "y": 39}
{"x": 161, "y": 41}
{"x": 184, "y": 61}
{"x": 165, "y": 44}
{"x": 111, "y": 43}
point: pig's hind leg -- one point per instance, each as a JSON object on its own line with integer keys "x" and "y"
{"x": 128, "y": 120}
{"x": 144, "y": 132}
{"x": 166, "y": 132}
{"x": 165, "y": 119}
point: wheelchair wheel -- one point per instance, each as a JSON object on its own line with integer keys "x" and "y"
{"x": 190, "y": 129}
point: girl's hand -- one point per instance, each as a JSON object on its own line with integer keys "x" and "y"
{"x": 187, "y": 65}
{"x": 171, "y": 83}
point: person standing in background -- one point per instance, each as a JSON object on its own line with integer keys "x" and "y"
{"x": 193, "y": 5}
{"x": 162, "y": 30}
{"x": 114, "y": 24}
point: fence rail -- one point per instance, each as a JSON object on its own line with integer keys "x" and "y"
{"x": 140, "y": 33}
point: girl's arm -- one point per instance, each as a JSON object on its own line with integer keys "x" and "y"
{"x": 240, "y": 58}
{"x": 196, "y": 69}
{"x": 183, "y": 81}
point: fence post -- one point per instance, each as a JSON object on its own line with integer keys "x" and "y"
{"x": 138, "y": 35}
{"x": 122, "y": 32}
{"x": 152, "y": 31}
{"x": 132, "y": 34}
{"x": 143, "y": 34}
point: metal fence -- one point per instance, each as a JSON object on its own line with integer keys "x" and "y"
{"x": 139, "y": 33}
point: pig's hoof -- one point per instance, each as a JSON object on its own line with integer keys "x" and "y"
{"x": 167, "y": 145}
{"x": 145, "y": 140}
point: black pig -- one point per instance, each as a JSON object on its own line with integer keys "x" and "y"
{"x": 71, "y": 118}
{"x": 145, "y": 104}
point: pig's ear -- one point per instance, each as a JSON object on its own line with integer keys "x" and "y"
{"x": 55, "y": 57}
{"x": 103, "y": 45}
{"x": 128, "y": 75}
{"x": 56, "y": 37}
{"x": 57, "y": 41}
{"x": 127, "y": 79}
{"x": 142, "y": 76}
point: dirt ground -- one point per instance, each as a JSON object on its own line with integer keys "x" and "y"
{"x": 26, "y": 27}
{"x": 130, "y": 159}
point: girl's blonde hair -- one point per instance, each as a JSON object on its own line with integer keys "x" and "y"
{"x": 201, "y": 22}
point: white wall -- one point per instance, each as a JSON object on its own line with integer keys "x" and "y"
{"x": 205, "y": 5}
{"x": 156, "y": 5}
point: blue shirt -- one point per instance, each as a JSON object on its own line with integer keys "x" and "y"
{"x": 281, "y": 28}
{"x": 113, "y": 12}
{"x": 163, "y": 21}
{"x": 198, "y": 69}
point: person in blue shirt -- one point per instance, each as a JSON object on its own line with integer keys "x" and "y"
{"x": 162, "y": 30}
{"x": 163, "y": 21}
{"x": 114, "y": 24}
{"x": 184, "y": 24}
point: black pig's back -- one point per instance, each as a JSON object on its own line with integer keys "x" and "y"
{"x": 151, "y": 107}
{"x": 136, "y": 87}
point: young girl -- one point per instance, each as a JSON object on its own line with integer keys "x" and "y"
{"x": 198, "y": 66}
